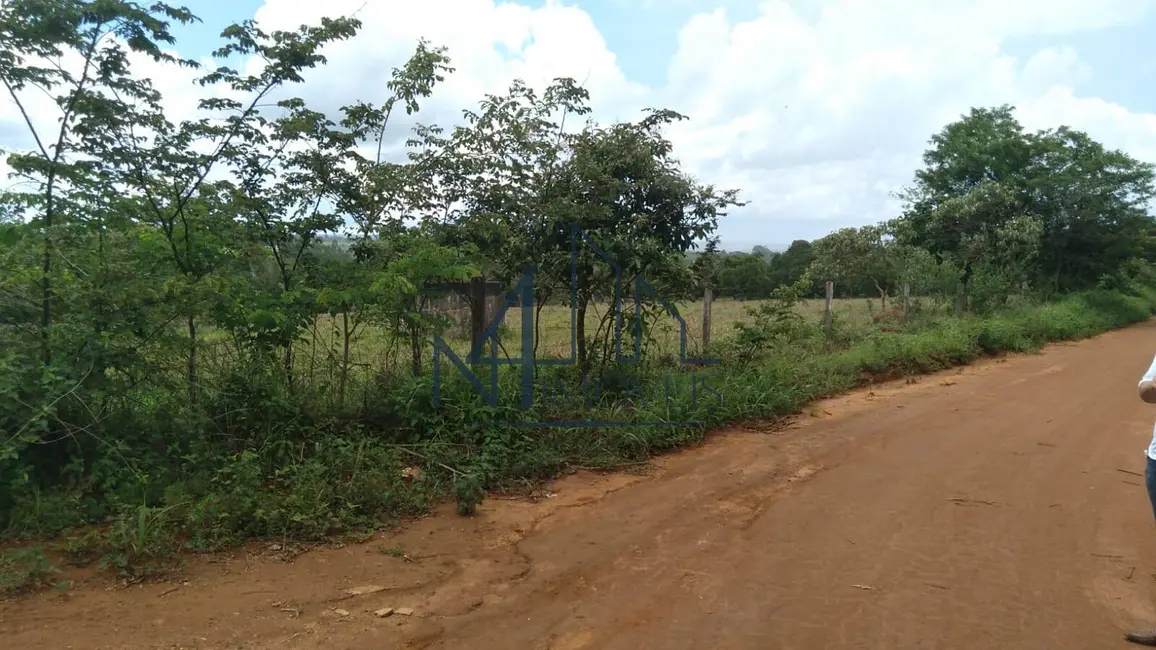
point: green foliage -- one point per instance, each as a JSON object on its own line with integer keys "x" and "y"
{"x": 1053, "y": 208}
{"x": 141, "y": 542}
{"x": 218, "y": 328}
{"x": 750, "y": 276}
{"x": 469, "y": 492}
{"x": 26, "y": 569}
{"x": 395, "y": 551}
{"x": 774, "y": 323}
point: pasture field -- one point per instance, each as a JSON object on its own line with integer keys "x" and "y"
{"x": 373, "y": 347}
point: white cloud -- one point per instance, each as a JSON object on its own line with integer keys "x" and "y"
{"x": 815, "y": 109}
{"x": 822, "y": 116}
{"x": 1110, "y": 123}
{"x": 176, "y": 84}
{"x": 490, "y": 44}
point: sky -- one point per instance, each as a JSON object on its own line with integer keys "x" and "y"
{"x": 817, "y": 110}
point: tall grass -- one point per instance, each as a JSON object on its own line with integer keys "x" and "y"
{"x": 308, "y": 477}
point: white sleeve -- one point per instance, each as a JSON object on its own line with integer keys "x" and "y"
{"x": 1151, "y": 374}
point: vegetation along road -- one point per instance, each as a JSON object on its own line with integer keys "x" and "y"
{"x": 221, "y": 427}
{"x": 991, "y": 507}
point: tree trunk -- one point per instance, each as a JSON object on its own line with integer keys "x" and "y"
{"x": 192, "y": 368}
{"x": 344, "y": 357}
{"x": 882, "y": 295}
{"x": 100, "y": 363}
{"x": 289, "y": 363}
{"x": 580, "y": 334}
{"x": 415, "y": 348}
{"x": 286, "y": 283}
{"x": 46, "y": 291}
{"x": 312, "y": 353}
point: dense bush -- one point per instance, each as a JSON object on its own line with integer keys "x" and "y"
{"x": 221, "y": 328}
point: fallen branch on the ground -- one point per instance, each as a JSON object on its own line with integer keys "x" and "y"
{"x": 455, "y": 472}
{"x": 966, "y": 500}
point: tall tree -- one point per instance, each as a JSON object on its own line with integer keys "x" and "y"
{"x": 792, "y": 264}
{"x": 40, "y": 38}
{"x": 167, "y": 165}
{"x": 745, "y": 276}
{"x": 623, "y": 188}
{"x": 383, "y": 197}
{"x": 1057, "y": 191}
{"x": 850, "y": 255}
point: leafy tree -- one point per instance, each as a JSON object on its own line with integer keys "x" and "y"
{"x": 745, "y": 276}
{"x": 925, "y": 275}
{"x": 793, "y": 263}
{"x": 765, "y": 253}
{"x": 400, "y": 269}
{"x": 621, "y": 186}
{"x": 85, "y": 281}
{"x": 985, "y": 174}
{"x": 1092, "y": 203}
{"x": 63, "y": 165}
{"x": 377, "y": 193}
{"x": 850, "y": 255}
{"x": 380, "y": 195}
{"x": 499, "y": 172}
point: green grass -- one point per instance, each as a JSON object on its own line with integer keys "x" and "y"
{"x": 298, "y": 475}
{"x": 375, "y": 350}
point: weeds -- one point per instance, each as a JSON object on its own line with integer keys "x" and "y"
{"x": 141, "y": 543}
{"x": 309, "y": 479}
{"x": 394, "y": 551}
{"x": 26, "y": 569}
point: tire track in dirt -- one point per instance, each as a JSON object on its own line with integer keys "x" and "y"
{"x": 980, "y": 508}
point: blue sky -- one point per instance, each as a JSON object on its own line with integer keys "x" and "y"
{"x": 816, "y": 109}
{"x": 643, "y": 34}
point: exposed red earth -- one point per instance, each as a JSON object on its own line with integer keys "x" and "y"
{"x": 996, "y": 506}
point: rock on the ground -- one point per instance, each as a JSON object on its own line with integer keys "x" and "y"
{"x": 364, "y": 590}
{"x": 405, "y": 611}
{"x": 383, "y": 612}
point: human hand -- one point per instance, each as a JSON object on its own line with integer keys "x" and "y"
{"x": 1148, "y": 391}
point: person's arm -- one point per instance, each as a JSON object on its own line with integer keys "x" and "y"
{"x": 1147, "y": 385}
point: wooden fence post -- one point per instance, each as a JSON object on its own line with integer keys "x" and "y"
{"x": 906, "y": 301}
{"x": 477, "y": 310}
{"x": 707, "y": 299}
{"x": 827, "y": 309}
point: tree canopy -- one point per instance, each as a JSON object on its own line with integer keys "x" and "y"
{"x": 1053, "y": 208}
{"x": 190, "y": 306}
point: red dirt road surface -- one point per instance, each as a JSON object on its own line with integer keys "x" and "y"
{"x": 994, "y": 507}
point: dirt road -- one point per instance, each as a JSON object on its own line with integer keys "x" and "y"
{"x": 984, "y": 508}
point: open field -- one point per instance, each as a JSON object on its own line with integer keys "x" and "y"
{"x": 374, "y": 348}
{"x": 725, "y": 313}
{"x": 1015, "y": 521}
{"x": 237, "y": 408}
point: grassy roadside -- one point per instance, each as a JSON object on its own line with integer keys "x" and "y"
{"x": 332, "y": 478}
